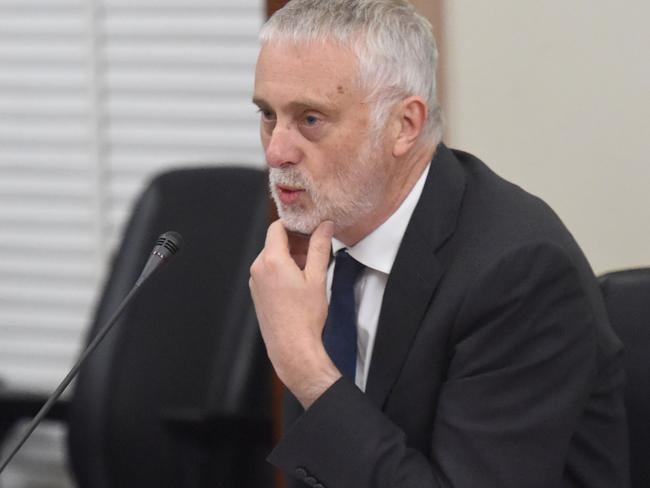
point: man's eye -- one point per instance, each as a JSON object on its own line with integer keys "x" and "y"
{"x": 266, "y": 115}
{"x": 311, "y": 120}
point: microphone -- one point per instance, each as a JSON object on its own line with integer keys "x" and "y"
{"x": 167, "y": 245}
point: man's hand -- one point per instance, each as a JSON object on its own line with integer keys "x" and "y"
{"x": 291, "y": 307}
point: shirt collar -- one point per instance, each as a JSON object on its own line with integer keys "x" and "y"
{"x": 379, "y": 248}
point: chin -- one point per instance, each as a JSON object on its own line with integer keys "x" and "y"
{"x": 302, "y": 224}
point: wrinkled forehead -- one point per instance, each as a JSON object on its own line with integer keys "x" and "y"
{"x": 325, "y": 72}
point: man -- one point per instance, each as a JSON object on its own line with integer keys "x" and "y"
{"x": 483, "y": 353}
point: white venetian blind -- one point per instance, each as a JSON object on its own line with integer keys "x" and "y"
{"x": 48, "y": 188}
{"x": 95, "y": 96}
{"x": 178, "y": 81}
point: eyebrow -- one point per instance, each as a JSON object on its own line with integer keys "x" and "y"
{"x": 300, "y": 104}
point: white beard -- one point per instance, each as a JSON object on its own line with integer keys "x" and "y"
{"x": 351, "y": 194}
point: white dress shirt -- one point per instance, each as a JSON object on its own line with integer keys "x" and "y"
{"x": 377, "y": 252}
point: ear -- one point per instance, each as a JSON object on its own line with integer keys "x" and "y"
{"x": 411, "y": 117}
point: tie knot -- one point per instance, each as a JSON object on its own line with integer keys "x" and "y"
{"x": 346, "y": 270}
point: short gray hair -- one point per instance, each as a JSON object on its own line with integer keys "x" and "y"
{"x": 394, "y": 46}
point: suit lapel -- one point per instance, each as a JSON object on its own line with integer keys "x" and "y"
{"x": 416, "y": 272}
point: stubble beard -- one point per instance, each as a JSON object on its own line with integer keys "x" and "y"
{"x": 348, "y": 197}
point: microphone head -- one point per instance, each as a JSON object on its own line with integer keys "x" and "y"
{"x": 168, "y": 244}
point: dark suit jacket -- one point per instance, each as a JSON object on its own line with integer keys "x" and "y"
{"x": 494, "y": 364}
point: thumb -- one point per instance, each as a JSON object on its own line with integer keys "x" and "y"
{"x": 320, "y": 245}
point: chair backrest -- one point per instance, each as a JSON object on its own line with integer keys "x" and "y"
{"x": 188, "y": 342}
{"x": 627, "y": 298}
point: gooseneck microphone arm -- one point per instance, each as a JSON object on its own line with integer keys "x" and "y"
{"x": 166, "y": 246}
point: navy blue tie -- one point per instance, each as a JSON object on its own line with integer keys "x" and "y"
{"x": 340, "y": 332}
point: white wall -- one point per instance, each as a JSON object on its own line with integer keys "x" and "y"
{"x": 555, "y": 96}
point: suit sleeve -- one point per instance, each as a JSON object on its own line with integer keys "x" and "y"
{"x": 521, "y": 364}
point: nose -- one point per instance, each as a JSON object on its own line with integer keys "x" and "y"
{"x": 282, "y": 148}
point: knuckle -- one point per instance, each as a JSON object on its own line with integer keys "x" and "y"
{"x": 254, "y": 269}
{"x": 273, "y": 262}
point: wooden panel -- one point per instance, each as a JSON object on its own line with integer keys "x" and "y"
{"x": 273, "y": 5}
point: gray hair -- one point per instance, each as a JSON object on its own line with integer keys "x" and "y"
{"x": 394, "y": 46}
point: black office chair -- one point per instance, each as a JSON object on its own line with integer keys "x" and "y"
{"x": 627, "y": 298}
{"x": 178, "y": 394}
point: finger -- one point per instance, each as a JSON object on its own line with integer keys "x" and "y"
{"x": 320, "y": 245}
{"x": 276, "y": 237}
